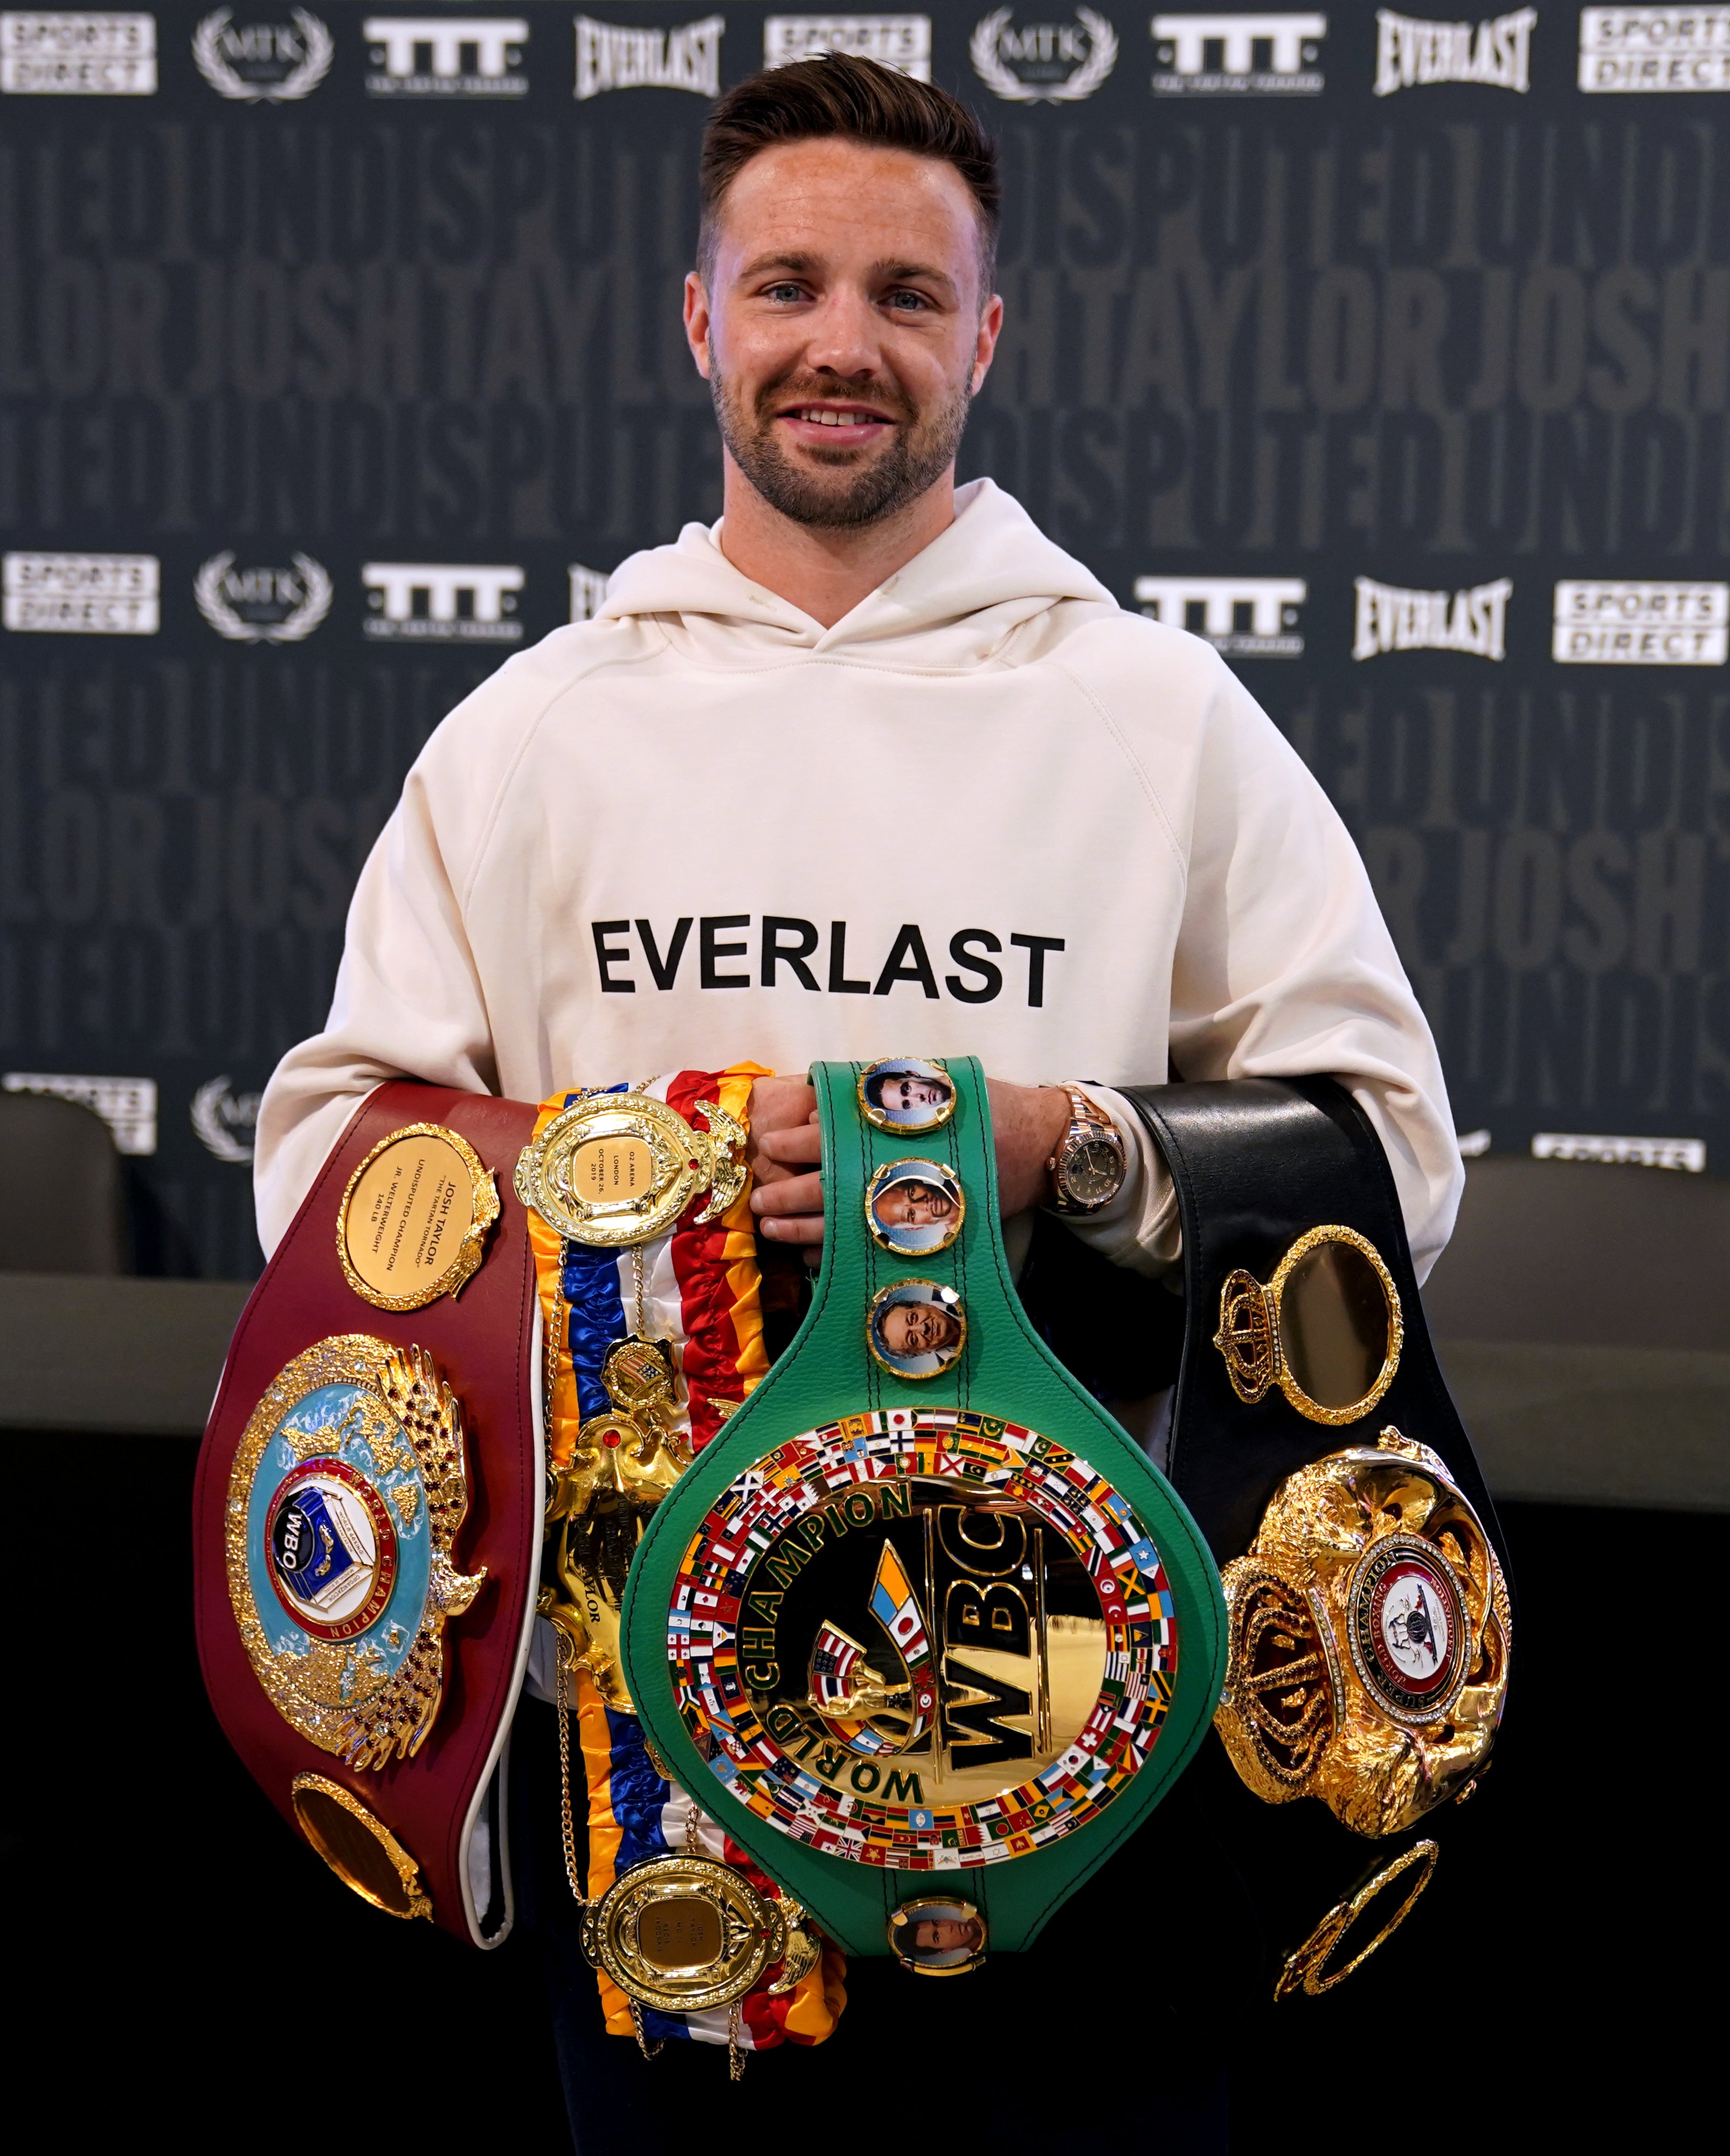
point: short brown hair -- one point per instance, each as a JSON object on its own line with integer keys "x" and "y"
{"x": 839, "y": 94}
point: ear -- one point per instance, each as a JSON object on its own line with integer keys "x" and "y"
{"x": 697, "y": 321}
{"x": 991, "y": 322}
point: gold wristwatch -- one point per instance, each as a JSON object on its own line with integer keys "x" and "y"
{"x": 1089, "y": 1166}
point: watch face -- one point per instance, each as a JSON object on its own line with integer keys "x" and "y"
{"x": 1092, "y": 1173}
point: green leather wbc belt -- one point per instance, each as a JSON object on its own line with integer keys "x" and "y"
{"x": 923, "y": 1628}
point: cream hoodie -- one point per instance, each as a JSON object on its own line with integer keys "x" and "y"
{"x": 988, "y": 812}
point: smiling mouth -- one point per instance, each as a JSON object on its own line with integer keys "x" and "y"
{"x": 823, "y": 415}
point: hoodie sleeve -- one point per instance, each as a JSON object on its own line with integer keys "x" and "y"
{"x": 408, "y": 976}
{"x": 1284, "y": 967}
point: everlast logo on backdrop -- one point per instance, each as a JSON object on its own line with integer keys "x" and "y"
{"x": 1409, "y": 52}
{"x": 263, "y": 63}
{"x": 1655, "y": 49}
{"x": 398, "y": 42}
{"x": 441, "y": 602}
{"x": 263, "y": 606}
{"x": 785, "y": 953}
{"x": 83, "y": 594}
{"x": 1228, "y": 55}
{"x": 1391, "y": 618}
{"x": 1044, "y": 63}
{"x": 609, "y": 56}
{"x": 62, "y": 55}
{"x": 900, "y": 42}
{"x": 1242, "y": 617}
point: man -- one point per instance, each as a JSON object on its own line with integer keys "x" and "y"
{"x": 652, "y": 842}
{"x": 904, "y": 1096}
{"x": 911, "y": 1329}
{"x": 913, "y": 1203}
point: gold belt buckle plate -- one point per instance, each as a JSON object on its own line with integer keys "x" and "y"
{"x": 684, "y": 1934}
{"x": 615, "y": 1169}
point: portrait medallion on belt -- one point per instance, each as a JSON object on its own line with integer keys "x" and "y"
{"x": 618, "y": 1168}
{"x": 923, "y": 1640}
{"x": 347, "y": 1489}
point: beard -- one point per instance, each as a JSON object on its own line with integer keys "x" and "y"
{"x": 849, "y": 491}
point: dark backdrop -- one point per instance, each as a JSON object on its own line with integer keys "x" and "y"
{"x": 290, "y": 314}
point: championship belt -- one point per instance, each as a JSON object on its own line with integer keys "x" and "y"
{"x": 922, "y": 1623}
{"x": 366, "y": 1523}
{"x": 646, "y": 1257}
{"x": 1314, "y": 1438}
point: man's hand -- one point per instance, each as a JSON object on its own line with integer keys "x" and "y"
{"x": 786, "y": 1150}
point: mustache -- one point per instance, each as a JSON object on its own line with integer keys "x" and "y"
{"x": 794, "y": 388}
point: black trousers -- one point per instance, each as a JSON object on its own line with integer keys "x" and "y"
{"x": 1108, "y": 2036}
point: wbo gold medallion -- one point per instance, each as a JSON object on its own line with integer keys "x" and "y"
{"x": 348, "y": 1489}
{"x": 1370, "y": 1628}
{"x": 615, "y": 1169}
{"x": 1326, "y": 1329}
{"x": 414, "y": 1220}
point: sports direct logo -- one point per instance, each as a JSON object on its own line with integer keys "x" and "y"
{"x": 1642, "y": 624}
{"x": 128, "y": 1106}
{"x": 1230, "y": 55}
{"x": 900, "y": 42}
{"x": 496, "y": 44}
{"x": 1241, "y": 616}
{"x": 82, "y": 594}
{"x": 1411, "y": 52}
{"x": 1655, "y": 49}
{"x": 78, "y": 55}
{"x": 609, "y": 56}
{"x": 1392, "y": 619}
{"x": 436, "y": 602}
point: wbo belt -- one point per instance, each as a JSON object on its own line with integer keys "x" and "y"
{"x": 921, "y": 1624}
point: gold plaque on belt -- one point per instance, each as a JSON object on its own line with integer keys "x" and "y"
{"x": 414, "y": 1217}
{"x": 619, "y": 1168}
{"x": 684, "y": 1934}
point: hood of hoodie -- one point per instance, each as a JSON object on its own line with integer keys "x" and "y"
{"x": 953, "y": 606}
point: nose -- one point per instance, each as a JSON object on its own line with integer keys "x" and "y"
{"x": 844, "y": 338}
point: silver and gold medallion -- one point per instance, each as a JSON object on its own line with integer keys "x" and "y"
{"x": 615, "y": 1169}
{"x": 347, "y": 1491}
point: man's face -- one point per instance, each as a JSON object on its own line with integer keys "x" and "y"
{"x": 912, "y": 1204}
{"x": 944, "y": 1934}
{"x": 918, "y": 1328}
{"x": 905, "y": 1095}
{"x": 840, "y": 328}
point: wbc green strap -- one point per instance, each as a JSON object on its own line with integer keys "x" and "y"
{"x": 1051, "y": 1838}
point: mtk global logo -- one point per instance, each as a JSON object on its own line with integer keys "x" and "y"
{"x": 263, "y": 606}
{"x": 65, "y": 55}
{"x": 1242, "y": 617}
{"x": 226, "y": 1121}
{"x": 900, "y": 42}
{"x": 466, "y": 56}
{"x": 1043, "y": 63}
{"x": 1642, "y": 623}
{"x": 610, "y": 57}
{"x": 83, "y": 594}
{"x": 263, "y": 63}
{"x": 442, "y": 602}
{"x": 1230, "y": 55}
{"x": 1409, "y": 52}
{"x": 1655, "y": 49}
{"x": 1392, "y": 619}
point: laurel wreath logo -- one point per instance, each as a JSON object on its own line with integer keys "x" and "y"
{"x": 988, "y": 65}
{"x": 315, "y": 583}
{"x": 208, "y": 1121}
{"x": 299, "y": 82}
